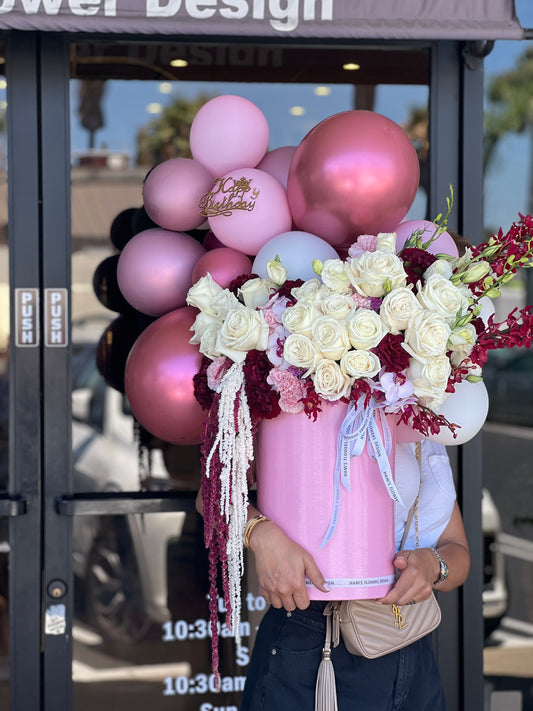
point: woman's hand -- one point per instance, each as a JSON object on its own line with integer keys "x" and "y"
{"x": 418, "y": 570}
{"x": 282, "y": 566}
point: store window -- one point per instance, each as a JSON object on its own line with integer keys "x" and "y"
{"x": 141, "y": 579}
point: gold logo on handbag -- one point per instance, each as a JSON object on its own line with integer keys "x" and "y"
{"x": 399, "y": 618}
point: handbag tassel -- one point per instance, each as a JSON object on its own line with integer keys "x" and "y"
{"x": 326, "y": 689}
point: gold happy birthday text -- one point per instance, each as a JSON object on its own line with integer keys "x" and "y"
{"x": 227, "y": 195}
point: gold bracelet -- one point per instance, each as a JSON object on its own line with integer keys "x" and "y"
{"x": 252, "y": 523}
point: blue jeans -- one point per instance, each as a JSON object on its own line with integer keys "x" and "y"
{"x": 288, "y": 651}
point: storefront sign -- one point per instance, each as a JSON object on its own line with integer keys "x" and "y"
{"x": 381, "y": 19}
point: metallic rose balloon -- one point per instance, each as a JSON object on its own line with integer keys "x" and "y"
{"x": 159, "y": 379}
{"x": 155, "y": 270}
{"x": 224, "y": 264}
{"x": 355, "y": 173}
{"x": 171, "y": 193}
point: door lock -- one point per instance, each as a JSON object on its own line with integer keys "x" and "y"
{"x": 56, "y": 589}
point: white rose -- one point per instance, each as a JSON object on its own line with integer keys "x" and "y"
{"x": 441, "y": 267}
{"x": 360, "y": 364}
{"x": 461, "y": 342}
{"x": 338, "y": 306}
{"x": 386, "y": 242}
{"x": 329, "y": 380}
{"x": 430, "y": 380}
{"x": 307, "y": 291}
{"x": 369, "y": 271}
{"x": 276, "y": 272}
{"x": 202, "y": 323}
{"x": 299, "y": 350}
{"x": 299, "y": 318}
{"x": 334, "y": 276}
{"x": 365, "y": 329}
{"x": 330, "y": 337}
{"x": 202, "y": 293}
{"x": 255, "y": 292}
{"x": 426, "y": 335}
{"x": 208, "y": 341}
{"x": 397, "y": 307}
{"x": 223, "y": 302}
{"x": 440, "y": 295}
{"x": 243, "y": 330}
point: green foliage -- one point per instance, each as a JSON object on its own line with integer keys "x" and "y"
{"x": 167, "y": 136}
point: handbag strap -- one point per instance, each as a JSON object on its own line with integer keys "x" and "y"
{"x": 414, "y": 508}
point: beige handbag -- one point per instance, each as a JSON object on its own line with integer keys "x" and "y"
{"x": 372, "y": 630}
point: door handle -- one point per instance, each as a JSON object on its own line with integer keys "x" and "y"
{"x": 13, "y": 506}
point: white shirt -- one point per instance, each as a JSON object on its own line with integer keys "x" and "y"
{"x": 437, "y": 492}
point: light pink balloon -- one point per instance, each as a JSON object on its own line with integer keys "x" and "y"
{"x": 252, "y": 208}
{"x": 224, "y": 264}
{"x": 229, "y": 132}
{"x": 171, "y": 193}
{"x": 444, "y": 244}
{"x": 355, "y": 173}
{"x": 159, "y": 379}
{"x": 154, "y": 270}
{"x": 278, "y": 162}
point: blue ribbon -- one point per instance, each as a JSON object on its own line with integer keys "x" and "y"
{"x": 358, "y": 428}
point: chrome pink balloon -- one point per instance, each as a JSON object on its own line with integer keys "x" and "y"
{"x": 171, "y": 193}
{"x": 229, "y": 132}
{"x": 444, "y": 244}
{"x": 159, "y": 379}
{"x": 224, "y": 264}
{"x": 355, "y": 173}
{"x": 154, "y": 270}
{"x": 249, "y": 217}
{"x": 278, "y": 162}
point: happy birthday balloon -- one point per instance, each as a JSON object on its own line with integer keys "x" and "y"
{"x": 171, "y": 193}
{"x": 224, "y": 264}
{"x": 155, "y": 270}
{"x": 159, "y": 379}
{"x": 246, "y": 208}
{"x": 354, "y": 173}
{"x": 443, "y": 244}
{"x": 296, "y": 251}
{"x": 467, "y": 407}
{"x": 229, "y": 132}
{"x": 278, "y": 162}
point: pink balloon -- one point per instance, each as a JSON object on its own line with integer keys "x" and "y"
{"x": 154, "y": 270}
{"x": 224, "y": 264}
{"x": 444, "y": 244}
{"x": 278, "y": 162}
{"x": 229, "y": 132}
{"x": 246, "y": 208}
{"x": 159, "y": 379}
{"x": 211, "y": 242}
{"x": 355, "y": 173}
{"x": 171, "y": 193}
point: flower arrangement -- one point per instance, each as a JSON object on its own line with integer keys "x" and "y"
{"x": 395, "y": 330}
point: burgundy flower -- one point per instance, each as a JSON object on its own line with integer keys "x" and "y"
{"x": 263, "y": 400}
{"x": 202, "y": 393}
{"x": 391, "y": 354}
{"x": 236, "y": 284}
{"x": 416, "y": 261}
{"x": 285, "y": 289}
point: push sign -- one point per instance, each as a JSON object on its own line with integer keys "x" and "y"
{"x": 55, "y": 317}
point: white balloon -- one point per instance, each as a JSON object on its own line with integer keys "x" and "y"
{"x": 468, "y": 407}
{"x": 296, "y": 251}
{"x": 487, "y": 309}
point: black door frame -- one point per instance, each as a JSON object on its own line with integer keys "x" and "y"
{"x": 41, "y": 501}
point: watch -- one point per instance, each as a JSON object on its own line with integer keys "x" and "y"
{"x": 443, "y": 573}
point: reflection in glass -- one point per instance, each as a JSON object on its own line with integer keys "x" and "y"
{"x": 4, "y": 392}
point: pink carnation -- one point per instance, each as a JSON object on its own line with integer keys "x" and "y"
{"x": 291, "y": 390}
{"x": 215, "y": 372}
{"x": 364, "y": 243}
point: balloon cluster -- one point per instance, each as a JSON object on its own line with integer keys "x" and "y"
{"x": 354, "y": 173}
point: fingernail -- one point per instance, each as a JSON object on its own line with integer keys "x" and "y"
{"x": 328, "y": 587}
{"x": 378, "y": 602}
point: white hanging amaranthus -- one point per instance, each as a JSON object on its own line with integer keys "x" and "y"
{"x": 234, "y": 442}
